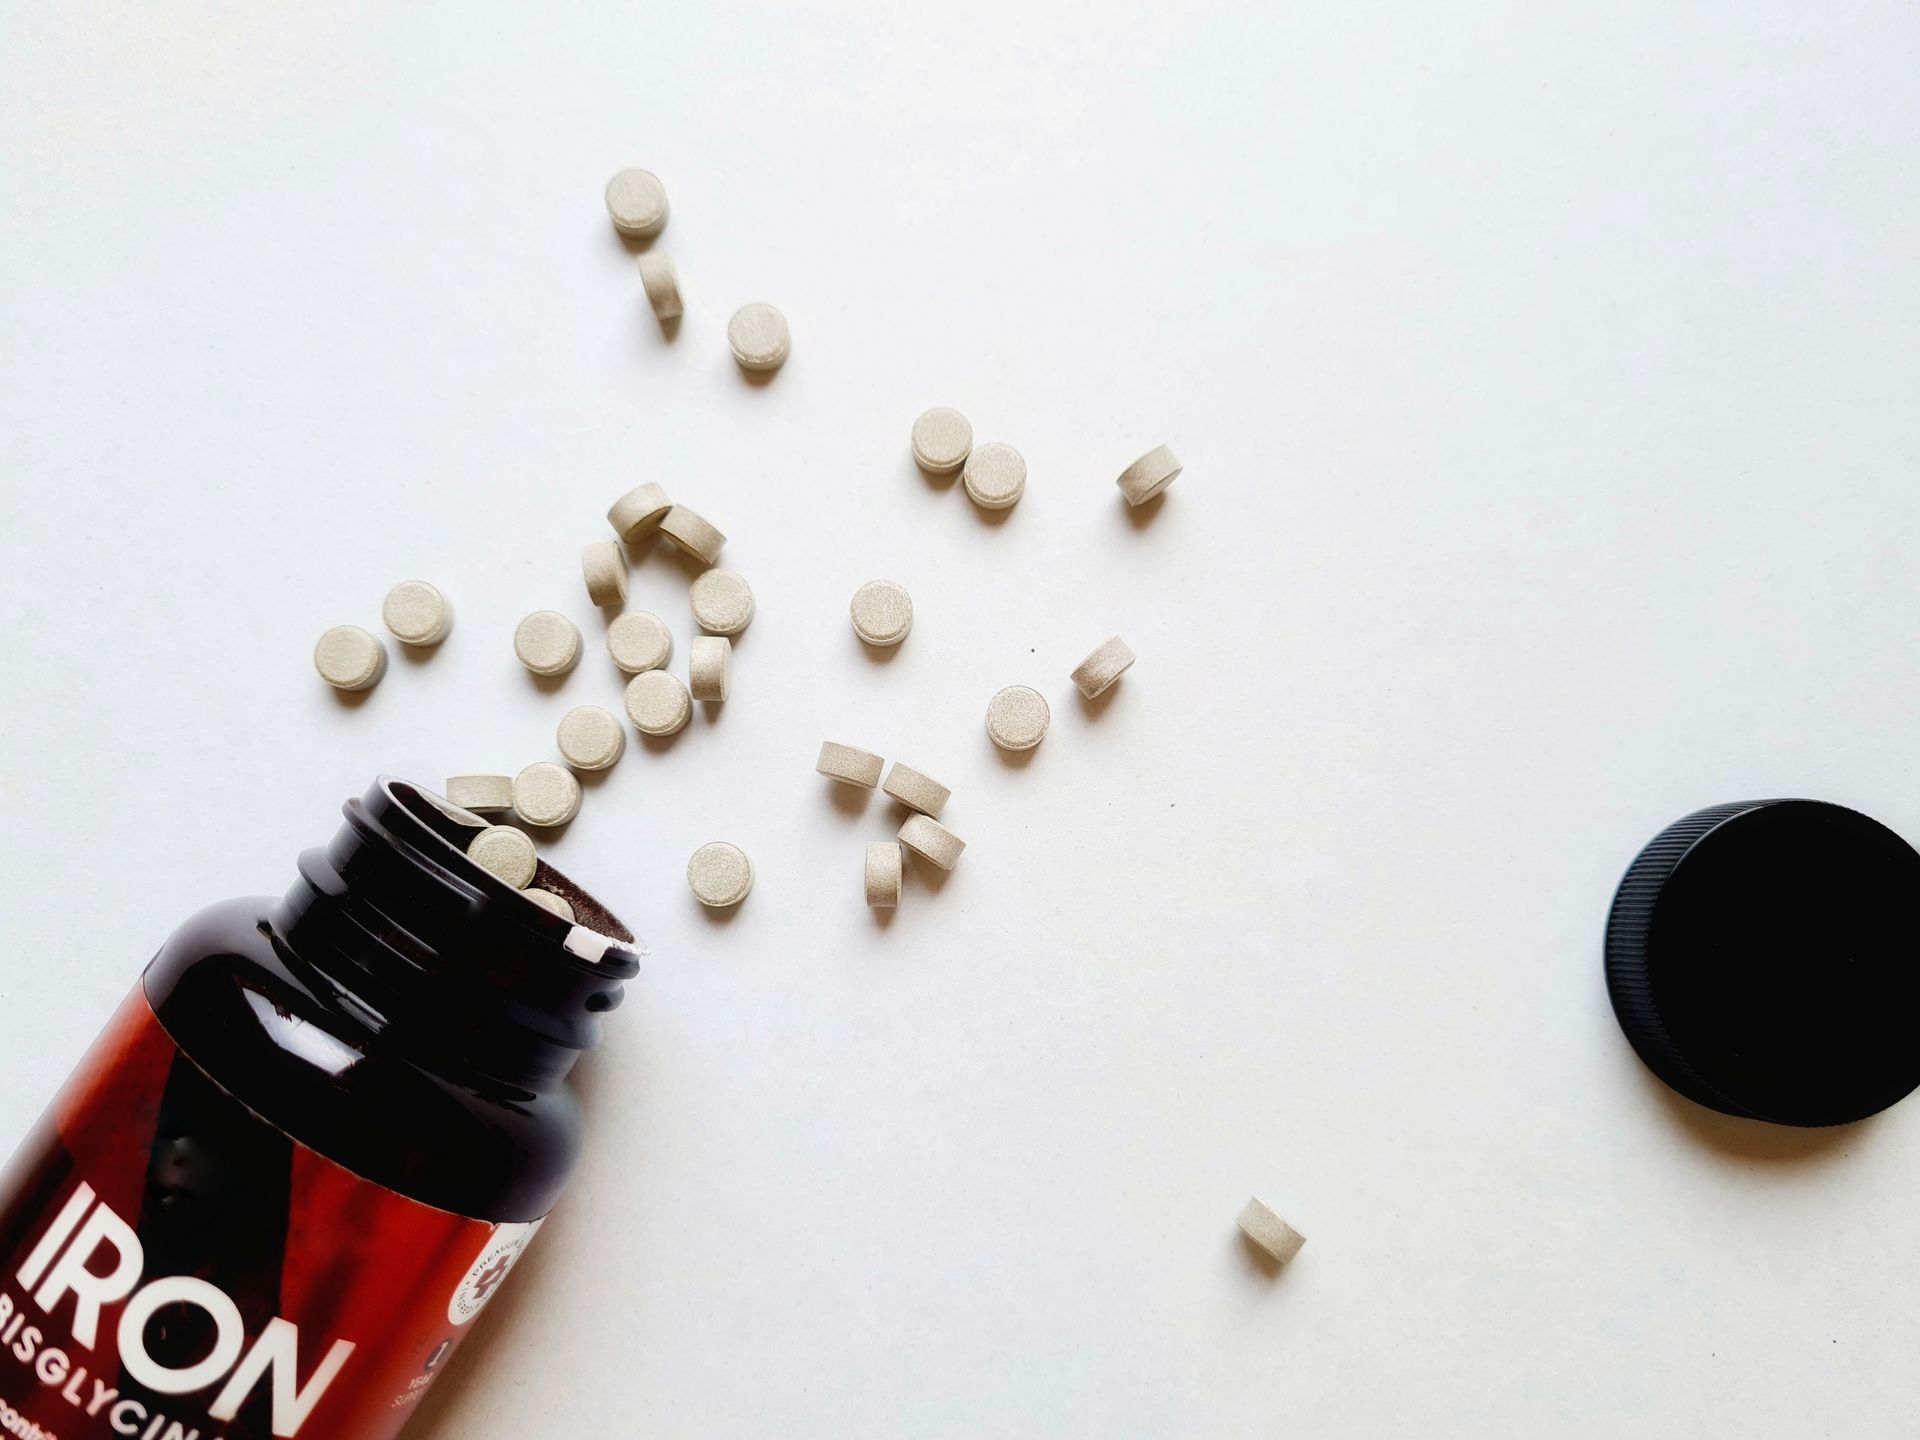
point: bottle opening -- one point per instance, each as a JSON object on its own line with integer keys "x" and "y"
{"x": 457, "y": 827}
{"x": 432, "y": 950}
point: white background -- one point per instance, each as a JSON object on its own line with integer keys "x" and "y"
{"x": 1545, "y": 377}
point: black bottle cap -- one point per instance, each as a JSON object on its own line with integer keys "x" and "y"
{"x": 1764, "y": 959}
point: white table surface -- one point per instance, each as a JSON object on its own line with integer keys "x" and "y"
{"x": 1546, "y": 386}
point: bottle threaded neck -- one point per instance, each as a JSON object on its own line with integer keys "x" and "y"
{"x": 445, "y": 959}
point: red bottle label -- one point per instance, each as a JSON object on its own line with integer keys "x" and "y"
{"x": 173, "y": 1267}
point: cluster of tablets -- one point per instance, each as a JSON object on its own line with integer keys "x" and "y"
{"x": 921, "y": 832}
{"x": 637, "y": 204}
{"x": 658, "y": 704}
{"x": 545, "y": 794}
{"x": 589, "y": 737}
{"x": 351, "y": 659}
{"x": 548, "y": 644}
{"x": 993, "y": 475}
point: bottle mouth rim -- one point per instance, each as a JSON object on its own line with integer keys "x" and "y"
{"x": 596, "y": 941}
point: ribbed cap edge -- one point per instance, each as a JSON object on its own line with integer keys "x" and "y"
{"x": 1629, "y": 929}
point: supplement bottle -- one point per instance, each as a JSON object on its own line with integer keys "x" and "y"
{"x": 306, "y": 1150}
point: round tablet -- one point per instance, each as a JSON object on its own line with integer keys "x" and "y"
{"x": 1017, "y": 718}
{"x": 692, "y": 534}
{"x": 849, "y": 764}
{"x": 483, "y": 794}
{"x": 995, "y": 476}
{"x": 590, "y": 738}
{"x": 931, "y": 840}
{"x": 719, "y": 874}
{"x": 722, "y": 603}
{"x": 758, "y": 336}
{"x": 547, "y": 643}
{"x": 662, "y": 285}
{"x": 658, "y": 704}
{"x": 710, "y": 667}
{"x": 639, "y": 640}
{"x": 1149, "y": 475}
{"x": 547, "y": 900}
{"x": 453, "y": 812}
{"x": 637, "y": 201}
{"x": 1270, "y": 1232}
{"x": 638, "y": 513}
{"x": 883, "y": 874}
{"x": 546, "y": 794}
{"x": 882, "y": 612}
{"x": 506, "y": 854}
{"x": 917, "y": 791}
{"x": 941, "y": 440}
{"x": 348, "y": 658}
{"x": 1096, "y": 674}
{"x": 417, "y": 613}
{"x": 604, "y": 564}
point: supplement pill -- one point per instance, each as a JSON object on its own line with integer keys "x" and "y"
{"x": 882, "y": 612}
{"x": 849, "y": 765}
{"x": 931, "y": 840}
{"x": 658, "y": 704}
{"x": 1270, "y": 1232}
{"x": 995, "y": 476}
{"x": 348, "y": 658}
{"x": 639, "y": 640}
{"x": 637, "y": 203}
{"x": 417, "y": 613}
{"x": 546, "y": 794}
{"x": 719, "y": 874}
{"x": 1096, "y": 674}
{"x": 482, "y": 794}
{"x": 1017, "y": 718}
{"x": 506, "y": 854}
{"x": 917, "y": 791}
{"x": 942, "y": 439}
{"x": 710, "y": 667}
{"x": 547, "y": 900}
{"x": 692, "y": 534}
{"x": 758, "y": 336}
{"x": 883, "y": 874}
{"x": 1149, "y": 475}
{"x": 452, "y": 811}
{"x": 638, "y": 513}
{"x": 662, "y": 285}
{"x": 604, "y": 564}
{"x": 722, "y": 603}
{"x": 547, "y": 643}
{"x": 590, "y": 738}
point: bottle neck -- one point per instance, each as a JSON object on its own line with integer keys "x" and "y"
{"x": 448, "y": 965}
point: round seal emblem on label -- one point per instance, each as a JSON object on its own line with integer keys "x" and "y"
{"x": 497, "y": 1257}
